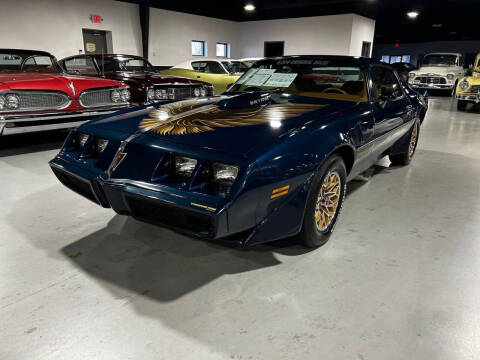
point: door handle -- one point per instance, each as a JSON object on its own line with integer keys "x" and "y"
{"x": 198, "y": 76}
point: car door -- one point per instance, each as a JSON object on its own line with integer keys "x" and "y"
{"x": 391, "y": 107}
{"x": 80, "y": 65}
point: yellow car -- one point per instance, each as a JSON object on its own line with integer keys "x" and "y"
{"x": 219, "y": 73}
{"x": 468, "y": 88}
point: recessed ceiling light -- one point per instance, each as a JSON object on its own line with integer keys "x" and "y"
{"x": 249, "y": 7}
{"x": 437, "y": 25}
{"x": 412, "y": 14}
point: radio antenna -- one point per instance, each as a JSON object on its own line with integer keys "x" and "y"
{"x": 103, "y": 62}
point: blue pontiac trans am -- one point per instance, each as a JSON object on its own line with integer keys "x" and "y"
{"x": 270, "y": 158}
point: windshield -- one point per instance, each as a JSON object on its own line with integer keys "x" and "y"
{"x": 13, "y": 62}
{"x": 324, "y": 78}
{"x": 117, "y": 64}
{"x": 235, "y": 66}
{"x": 438, "y": 59}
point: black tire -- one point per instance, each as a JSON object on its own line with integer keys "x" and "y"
{"x": 405, "y": 158}
{"x": 311, "y": 234}
{"x": 462, "y": 105}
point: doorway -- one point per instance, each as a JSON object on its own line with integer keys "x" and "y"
{"x": 366, "y": 48}
{"x": 273, "y": 48}
{"x": 97, "y": 41}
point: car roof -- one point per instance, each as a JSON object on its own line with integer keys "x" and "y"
{"x": 25, "y": 51}
{"x": 354, "y": 59}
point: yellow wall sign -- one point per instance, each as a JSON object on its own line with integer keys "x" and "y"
{"x": 91, "y": 47}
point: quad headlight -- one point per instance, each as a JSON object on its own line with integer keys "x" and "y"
{"x": 450, "y": 76}
{"x": 184, "y": 165}
{"x": 150, "y": 94}
{"x": 9, "y": 102}
{"x": 412, "y": 75}
{"x": 161, "y": 94}
{"x": 81, "y": 139}
{"x": 125, "y": 95}
{"x": 224, "y": 174}
{"x": 116, "y": 96}
{"x": 203, "y": 91}
{"x": 196, "y": 92}
{"x": 464, "y": 85}
{"x": 120, "y": 95}
{"x": 100, "y": 145}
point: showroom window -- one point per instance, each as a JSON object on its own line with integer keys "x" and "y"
{"x": 199, "y": 48}
{"x": 395, "y": 59}
{"x": 223, "y": 50}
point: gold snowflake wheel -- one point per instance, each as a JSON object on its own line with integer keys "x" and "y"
{"x": 328, "y": 200}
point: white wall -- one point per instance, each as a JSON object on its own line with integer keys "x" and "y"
{"x": 171, "y": 34}
{"x": 363, "y": 29}
{"x": 56, "y": 25}
{"x": 319, "y": 35}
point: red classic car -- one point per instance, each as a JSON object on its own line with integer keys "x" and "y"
{"x": 146, "y": 85}
{"x": 36, "y": 94}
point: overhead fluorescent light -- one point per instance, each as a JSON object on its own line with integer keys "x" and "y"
{"x": 437, "y": 25}
{"x": 249, "y": 7}
{"x": 412, "y": 14}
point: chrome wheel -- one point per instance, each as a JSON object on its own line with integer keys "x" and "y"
{"x": 413, "y": 141}
{"x": 327, "y": 200}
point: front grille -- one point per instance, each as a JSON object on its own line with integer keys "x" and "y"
{"x": 41, "y": 100}
{"x": 97, "y": 98}
{"x": 430, "y": 80}
{"x": 170, "y": 216}
{"x": 81, "y": 187}
{"x": 474, "y": 89}
{"x": 183, "y": 92}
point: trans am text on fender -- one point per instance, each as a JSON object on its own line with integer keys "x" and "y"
{"x": 268, "y": 159}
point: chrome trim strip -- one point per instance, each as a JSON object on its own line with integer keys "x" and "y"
{"x": 4, "y": 131}
{"x": 50, "y": 116}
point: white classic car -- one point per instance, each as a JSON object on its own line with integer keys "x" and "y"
{"x": 439, "y": 71}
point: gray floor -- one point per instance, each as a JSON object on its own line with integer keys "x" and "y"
{"x": 400, "y": 278}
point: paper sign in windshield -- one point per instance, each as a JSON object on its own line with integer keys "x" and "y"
{"x": 246, "y": 76}
{"x": 280, "y": 80}
{"x": 257, "y": 80}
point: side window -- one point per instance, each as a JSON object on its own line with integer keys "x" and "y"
{"x": 385, "y": 83}
{"x": 211, "y": 67}
{"x": 83, "y": 65}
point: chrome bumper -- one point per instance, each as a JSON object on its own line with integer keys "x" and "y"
{"x": 24, "y": 123}
{"x": 469, "y": 97}
{"x": 432, "y": 86}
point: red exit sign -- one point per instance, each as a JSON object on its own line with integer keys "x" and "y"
{"x": 96, "y": 19}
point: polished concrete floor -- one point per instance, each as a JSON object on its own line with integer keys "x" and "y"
{"x": 399, "y": 279}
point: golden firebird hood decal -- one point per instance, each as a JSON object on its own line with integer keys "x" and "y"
{"x": 195, "y": 116}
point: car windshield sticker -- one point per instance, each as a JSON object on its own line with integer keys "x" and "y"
{"x": 257, "y": 80}
{"x": 280, "y": 80}
{"x": 247, "y": 76}
{"x": 265, "y": 71}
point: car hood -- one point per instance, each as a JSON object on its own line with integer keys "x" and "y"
{"x": 71, "y": 85}
{"x": 439, "y": 70}
{"x": 150, "y": 78}
{"x": 233, "y": 123}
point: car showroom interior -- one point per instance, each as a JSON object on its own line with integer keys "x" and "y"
{"x": 244, "y": 179}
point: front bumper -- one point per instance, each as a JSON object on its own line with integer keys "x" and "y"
{"x": 23, "y": 123}
{"x": 190, "y": 215}
{"x": 432, "y": 86}
{"x": 468, "y": 97}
